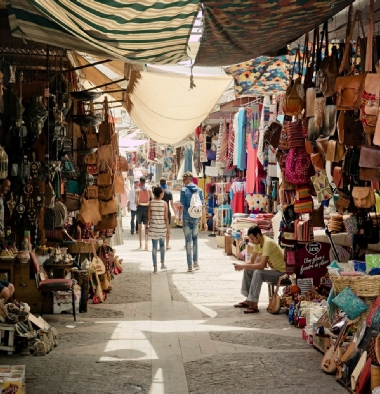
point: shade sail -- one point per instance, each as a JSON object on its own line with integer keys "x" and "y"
{"x": 127, "y": 143}
{"x": 167, "y": 110}
{"x": 238, "y": 30}
{"x": 154, "y": 31}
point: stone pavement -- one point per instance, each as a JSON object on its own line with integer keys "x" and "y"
{"x": 176, "y": 333}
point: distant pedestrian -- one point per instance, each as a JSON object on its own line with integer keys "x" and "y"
{"x": 190, "y": 225}
{"x": 131, "y": 205}
{"x": 168, "y": 198}
{"x": 158, "y": 226}
{"x": 143, "y": 196}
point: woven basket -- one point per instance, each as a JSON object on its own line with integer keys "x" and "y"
{"x": 362, "y": 286}
{"x": 80, "y": 247}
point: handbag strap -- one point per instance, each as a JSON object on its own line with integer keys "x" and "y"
{"x": 369, "y": 57}
{"x": 347, "y": 47}
{"x": 279, "y": 282}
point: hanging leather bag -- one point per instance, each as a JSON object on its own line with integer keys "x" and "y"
{"x": 349, "y": 88}
{"x": 272, "y": 134}
{"x": 105, "y": 193}
{"x": 364, "y": 197}
{"x": 369, "y": 164}
{"x": 350, "y": 128}
{"x": 294, "y": 98}
{"x": 89, "y": 211}
{"x": 107, "y": 207}
{"x": 72, "y": 201}
{"x": 108, "y": 222}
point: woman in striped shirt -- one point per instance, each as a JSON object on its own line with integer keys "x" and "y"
{"x": 158, "y": 225}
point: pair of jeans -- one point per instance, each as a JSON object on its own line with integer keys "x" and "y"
{"x": 190, "y": 229}
{"x": 253, "y": 280}
{"x": 155, "y": 242}
{"x": 133, "y": 220}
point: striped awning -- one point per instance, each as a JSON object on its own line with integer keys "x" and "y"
{"x": 148, "y": 31}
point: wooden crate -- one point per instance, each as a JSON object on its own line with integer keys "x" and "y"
{"x": 321, "y": 343}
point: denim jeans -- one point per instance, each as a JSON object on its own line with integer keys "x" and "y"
{"x": 253, "y": 280}
{"x": 154, "y": 250}
{"x": 133, "y": 221}
{"x": 190, "y": 229}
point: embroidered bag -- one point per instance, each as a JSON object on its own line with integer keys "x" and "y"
{"x": 322, "y": 186}
{"x": 298, "y": 167}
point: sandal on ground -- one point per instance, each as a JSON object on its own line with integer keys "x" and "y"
{"x": 251, "y": 310}
{"x": 241, "y": 305}
{"x": 168, "y": 248}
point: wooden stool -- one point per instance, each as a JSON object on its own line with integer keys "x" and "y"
{"x": 283, "y": 283}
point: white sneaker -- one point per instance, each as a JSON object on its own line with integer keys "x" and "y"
{"x": 196, "y": 267}
{"x": 155, "y": 270}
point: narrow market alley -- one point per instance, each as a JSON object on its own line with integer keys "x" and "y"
{"x": 176, "y": 333}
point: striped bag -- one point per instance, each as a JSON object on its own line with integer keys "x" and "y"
{"x": 295, "y": 134}
{"x": 303, "y": 202}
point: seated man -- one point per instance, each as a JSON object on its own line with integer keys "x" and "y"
{"x": 6, "y": 290}
{"x": 266, "y": 251}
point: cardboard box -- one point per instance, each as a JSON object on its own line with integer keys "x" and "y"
{"x": 220, "y": 239}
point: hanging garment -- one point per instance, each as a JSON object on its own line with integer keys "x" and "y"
{"x": 202, "y": 148}
{"x": 236, "y": 130}
{"x": 188, "y": 166}
{"x": 231, "y": 144}
{"x": 252, "y": 166}
{"x": 224, "y": 145}
{"x": 242, "y": 140}
{"x": 220, "y": 137}
{"x": 237, "y": 194}
{"x": 197, "y": 156}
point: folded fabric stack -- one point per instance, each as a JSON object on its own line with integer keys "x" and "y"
{"x": 335, "y": 224}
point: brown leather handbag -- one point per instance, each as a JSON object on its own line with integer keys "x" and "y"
{"x": 72, "y": 201}
{"x": 105, "y": 179}
{"x": 91, "y": 141}
{"x": 108, "y": 222}
{"x": 118, "y": 183}
{"x": 105, "y": 193}
{"x": 107, "y": 207}
{"x": 91, "y": 192}
{"x": 364, "y": 197}
{"x": 272, "y": 134}
{"x": 91, "y": 158}
{"x": 335, "y": 151}
{"x": 369, "y": 164}
{"x": 349, "y": 92}
{"x": 342, "y": 203}
{"x": 293, "y": 104}
{"x": 317, "y": 161}
{"x": 350, "y": 128}
{"x": 89, "y": 211}
{"x": 338, "y": 177}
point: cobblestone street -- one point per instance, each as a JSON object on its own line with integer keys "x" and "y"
{"x": 176, "y": 333}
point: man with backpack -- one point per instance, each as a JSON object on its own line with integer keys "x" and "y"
{"x": 143, "y": 196}
{"x": 191, "y": 210}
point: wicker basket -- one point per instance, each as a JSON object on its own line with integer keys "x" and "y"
{"x": 362, "y": 286}
{"x": 80, "y": 247}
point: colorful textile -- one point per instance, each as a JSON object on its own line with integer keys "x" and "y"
{"x": 237, "y": 30}
{"x": 224, "y": 145}
{"x": 197, "y": 156}
{"x": 242, "y": 140}
{"x": 154, "y": 31}
{"x": 231, "y": 144}
{"x": 202, "y": 148}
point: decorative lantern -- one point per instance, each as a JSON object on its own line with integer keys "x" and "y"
{"x": 3, "y": 163}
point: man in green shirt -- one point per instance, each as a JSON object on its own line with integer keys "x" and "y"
{"x": 266, "y": 252}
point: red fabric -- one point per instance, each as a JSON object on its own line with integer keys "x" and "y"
{"x": 238, "y": 202}
{"x": 252, "y": 181}
{"x": 198, "y": 131}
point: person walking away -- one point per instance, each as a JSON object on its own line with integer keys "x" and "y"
{"x": 168, "y": 198}
{"x": 265, "y": 252}
{"x": 143, "y": 196}
{"x": 131, "y": 206}
{"x": 190, "y": 215}
{"x": 158, "y": 226}
{"x": 131, "y": 173}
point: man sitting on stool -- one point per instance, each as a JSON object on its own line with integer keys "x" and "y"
{"x": 266, "y": 251}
